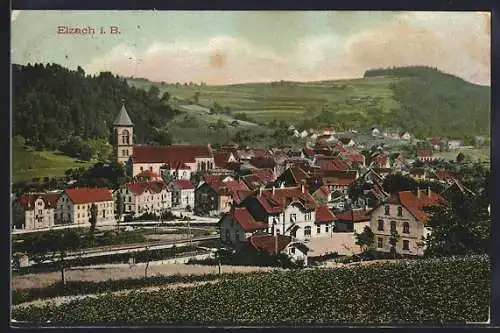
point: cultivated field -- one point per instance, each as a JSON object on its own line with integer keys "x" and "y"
{"x": 288, "y": 100}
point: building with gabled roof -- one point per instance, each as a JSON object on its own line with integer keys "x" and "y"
{"x": 32, "y": 211}
{"x": 74, "y": 204}
{"x": 404, "y": 212}
{"x": 153, "y": 157}
{"x": 145, "y": 197}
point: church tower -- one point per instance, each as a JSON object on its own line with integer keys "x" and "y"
{"x": 124, "y": 134}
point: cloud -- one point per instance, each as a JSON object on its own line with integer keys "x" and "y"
{"x": 457, "y": 43}
{"x": 14, "y": 15}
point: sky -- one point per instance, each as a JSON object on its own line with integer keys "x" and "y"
{"x": 228, "y": 47}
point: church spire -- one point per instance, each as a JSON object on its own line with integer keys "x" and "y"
{"x": 123, "y": 118}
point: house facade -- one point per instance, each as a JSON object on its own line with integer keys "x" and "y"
{"x": 34, "y": 211}
{"x": 182, "y": 194}
{"x": 403, "y": 213}
{"x": 144, "y": 197}
{"x": 73, "y": 206}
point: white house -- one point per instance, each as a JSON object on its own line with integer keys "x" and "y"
{"x": 454, "y": 144}
{"x": 375, "y": 132}
{"x": 405, "y": 136}
{"x": 144, "y": 197}
{"x": 34, "y": 211}
{"x": 182, "y": 194}
{"x": 237, "y": 226}
{"x": 73, "y": 206}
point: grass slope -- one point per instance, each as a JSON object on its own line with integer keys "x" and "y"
{"x": 439, "y": 291}
{"x": 421, "y": 100}
{"x": 28, "y": 163}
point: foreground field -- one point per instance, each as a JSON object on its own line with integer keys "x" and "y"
{"x": 118, "y": 272}
{"x": 442, "y": 291}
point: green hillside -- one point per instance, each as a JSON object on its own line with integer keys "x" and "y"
{"x": 421, "y": 100}
{"x": 28, "y": 163}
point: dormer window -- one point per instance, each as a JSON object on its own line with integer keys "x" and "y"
{"x": 387, "y": 210}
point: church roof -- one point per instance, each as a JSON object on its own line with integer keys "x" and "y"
{"x": 123, "y": 119}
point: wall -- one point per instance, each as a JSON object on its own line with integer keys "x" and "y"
{"x": 230, "y": 227}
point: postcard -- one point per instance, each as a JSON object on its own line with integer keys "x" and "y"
{"x": 250, "y": 168}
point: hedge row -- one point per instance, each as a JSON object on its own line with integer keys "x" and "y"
{"x": 445, "y": 291}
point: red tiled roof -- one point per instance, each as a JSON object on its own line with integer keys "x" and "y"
{"x": 164, "y": 154}
{"x": 239, "y": 196}
{"x": 354, "y": 157}
{"x": 137, "y": 188}
{"x": 221, "y": 158}
{"x": 252, "y": 181}
{"x": 424, "y": 152}
{"x": 260, "y": 153}
{"x": 266, "y": 175}
{"x": 282, "y": 197}
{"x": 269, "y": 243}
{"x": 434, "y": 141}
{"x": 184, "y": 184}
{"x": 417, "y": 171}
{"x": 263, "y": 162}
{"x": 332, "y": 164}
{"x": 415, "y": 205}
{"x": 338, "y": 181}
{"x": 360, "y": 215}
{"x": 247, "y": 221}
{"x": 324, "y": 215}
{"x": 27, "y": 200}
{"x": 444, "y": 175}
{"x": 210, "y": 178}
{"x": 88, "y": 195}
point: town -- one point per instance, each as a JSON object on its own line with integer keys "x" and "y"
{"x": 308, "y": 204}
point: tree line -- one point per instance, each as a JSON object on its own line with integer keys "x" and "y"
{"x": 54, "y": 107}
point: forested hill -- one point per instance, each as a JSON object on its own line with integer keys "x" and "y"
{"x": 51, "y": 103}
{"x": 432, "y": 102}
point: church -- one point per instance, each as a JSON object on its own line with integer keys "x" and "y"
{"x": 139, "y": 158}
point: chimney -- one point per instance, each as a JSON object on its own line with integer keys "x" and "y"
{"x": 429, "y": 191}
{"x": 274, "y": 188}
{"x": 303, "y": 187}
{"x": 418, "y": 192}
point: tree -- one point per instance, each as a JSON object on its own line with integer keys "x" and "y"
{"x": 396, "y": 183}
{"x": 393, "y": 241}
{"x": 196, "y": 97}
{"x": 52, "y": 245}
{"x": 119, "y": 206}
{"x": 460, "y": 157}
{"x": 366, "y": 239}
{"x": 165, "y": 97}
{"x": 93, "y": 217}
{"x": 462, "y": 225}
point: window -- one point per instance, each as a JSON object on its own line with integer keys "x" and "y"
{"x": 327, "y": 229}
{"x": 103, "y": 213}
{"x": 318, "y": 230}
{"x": 308, "y": 216}
{"x": 40, "y": 212}
{"x": 150, "y": 168}
{"x": 307, "y": 231}
{"x": 125, "y": 137}
{"x": 237, "y": 236}
{"x": 400, "y": 211}
{"x": 292, "y": 250}
{"x": 78, "y": 215}
{"x": 406, "y": 228}
{"x": 141, "y": 168}
{"x": 380, "y": 242}
{"x": 380, "y": 225}
{"x": 393, "y": 226}
{"x": 406, "y": 245}
{"x": 278, "y": 232}
{"x": 227, "y": 234}
{"x": 293, "y": 218}
{"x": 387, "y": 208}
